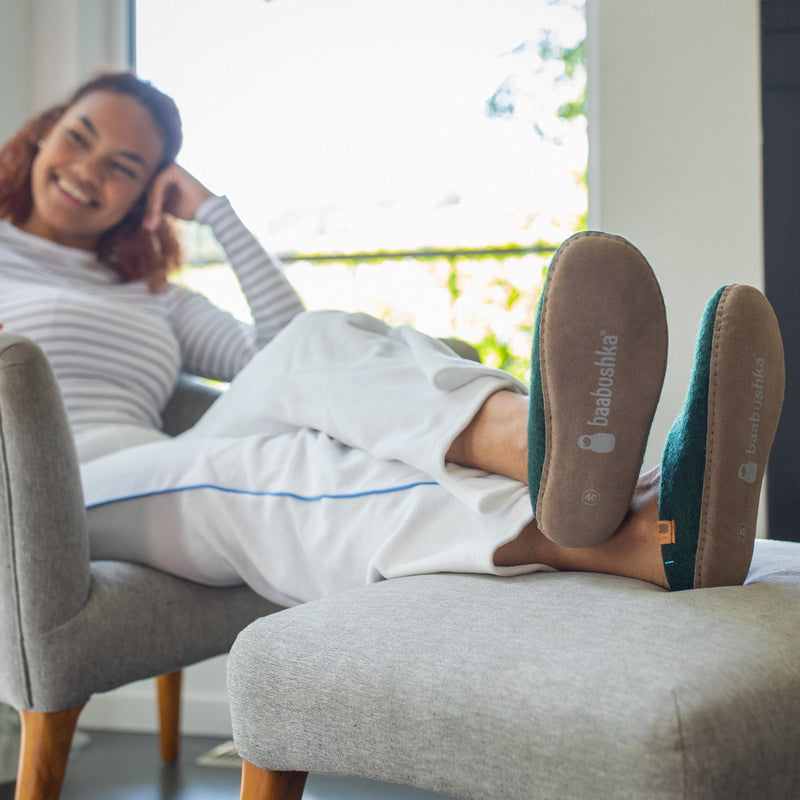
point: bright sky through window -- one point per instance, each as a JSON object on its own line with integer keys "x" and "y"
{"x": 355, "y": 124}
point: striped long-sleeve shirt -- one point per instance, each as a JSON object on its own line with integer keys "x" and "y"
{"x": 116, "y": 348}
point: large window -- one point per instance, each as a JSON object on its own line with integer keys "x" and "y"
{"x": 410, "y": 158}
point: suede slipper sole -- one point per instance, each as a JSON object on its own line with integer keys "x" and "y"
{"x": 717, "y": 449}
{"x": 599, "y": 357}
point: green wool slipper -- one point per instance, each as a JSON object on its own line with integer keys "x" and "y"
{"x": 597, "y": 368}
{"x": 716, "y": 451}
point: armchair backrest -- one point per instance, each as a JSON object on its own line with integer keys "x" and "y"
{"x": 190, "y": 400}
{"x": 44, "y": 545}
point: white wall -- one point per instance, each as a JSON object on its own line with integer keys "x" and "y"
{"x": 49, "y": 47}
{"x": 675, "y": 154}
{"x": 13, "y": 85}
{"x": 675, "y": 165}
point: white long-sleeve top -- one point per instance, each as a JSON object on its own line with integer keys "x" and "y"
{"x": 117, "y": 348}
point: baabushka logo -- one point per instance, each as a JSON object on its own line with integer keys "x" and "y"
{"x": 748, "y": 472}
{"x": 598, "y": 442}
{"x": 602, "y": 398}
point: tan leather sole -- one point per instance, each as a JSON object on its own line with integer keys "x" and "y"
{"x": 744, "y": 405}
{"x": 603, "y": 353}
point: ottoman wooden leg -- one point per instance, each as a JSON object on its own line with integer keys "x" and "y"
{"x": 263, "y": 784}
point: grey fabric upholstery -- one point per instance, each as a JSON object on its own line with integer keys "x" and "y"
{"x": 462, "y": 348}
{"x": 70, "y": 627}
{"x": 188, "y": 403}
{"x": 554, "y": 685}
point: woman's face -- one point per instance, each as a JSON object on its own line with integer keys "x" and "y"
{"x": 92, "y": 168}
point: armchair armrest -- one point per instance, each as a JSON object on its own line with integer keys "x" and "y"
{"x": 44, "y": 544}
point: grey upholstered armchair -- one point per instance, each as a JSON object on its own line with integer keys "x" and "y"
{"x": 70, "y": 627}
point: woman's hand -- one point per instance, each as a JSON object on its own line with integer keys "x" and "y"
{"x": 176, "y": 192}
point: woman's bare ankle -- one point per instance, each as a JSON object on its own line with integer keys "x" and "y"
{"x": 496, "y": 440}
{"x": 632, "y": 552}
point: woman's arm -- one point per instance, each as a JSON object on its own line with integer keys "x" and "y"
{"x": 215, "y": 345}
{"x": 273, "y": 301}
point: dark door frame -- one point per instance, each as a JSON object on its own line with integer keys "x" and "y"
{"x": 780, "y": 77}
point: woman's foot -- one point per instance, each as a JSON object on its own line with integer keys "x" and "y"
{"x": 597, "y": 368}
{"x": 716, "y": 452}
{"x": 632, "y": 552}
{"x": 692, "y": 520}
{"x": 598, "y": 365}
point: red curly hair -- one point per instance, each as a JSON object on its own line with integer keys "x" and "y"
{"x": 132, "y": 252}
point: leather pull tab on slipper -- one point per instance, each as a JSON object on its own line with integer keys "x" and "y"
{"x": 666, "y": 531}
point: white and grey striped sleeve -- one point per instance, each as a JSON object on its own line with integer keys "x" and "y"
{"x": 272, "y": 299}
{"x": 214, "y": 344}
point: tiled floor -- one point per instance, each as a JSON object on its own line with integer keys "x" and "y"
{"x": 120, "y": 766}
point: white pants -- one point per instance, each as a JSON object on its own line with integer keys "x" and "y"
{"x": 322, "y": 468}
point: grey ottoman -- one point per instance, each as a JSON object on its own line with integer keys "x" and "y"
{"x": 555, "y": 685}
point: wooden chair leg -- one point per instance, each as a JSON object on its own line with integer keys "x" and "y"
{"x": 43, "y": 753}
{"x": 169, "y": 715}
{"x": 263, "y": 784}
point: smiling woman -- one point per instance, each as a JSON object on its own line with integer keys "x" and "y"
{"x": 77, "y": 175}
{"x": 92, "y": 168}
